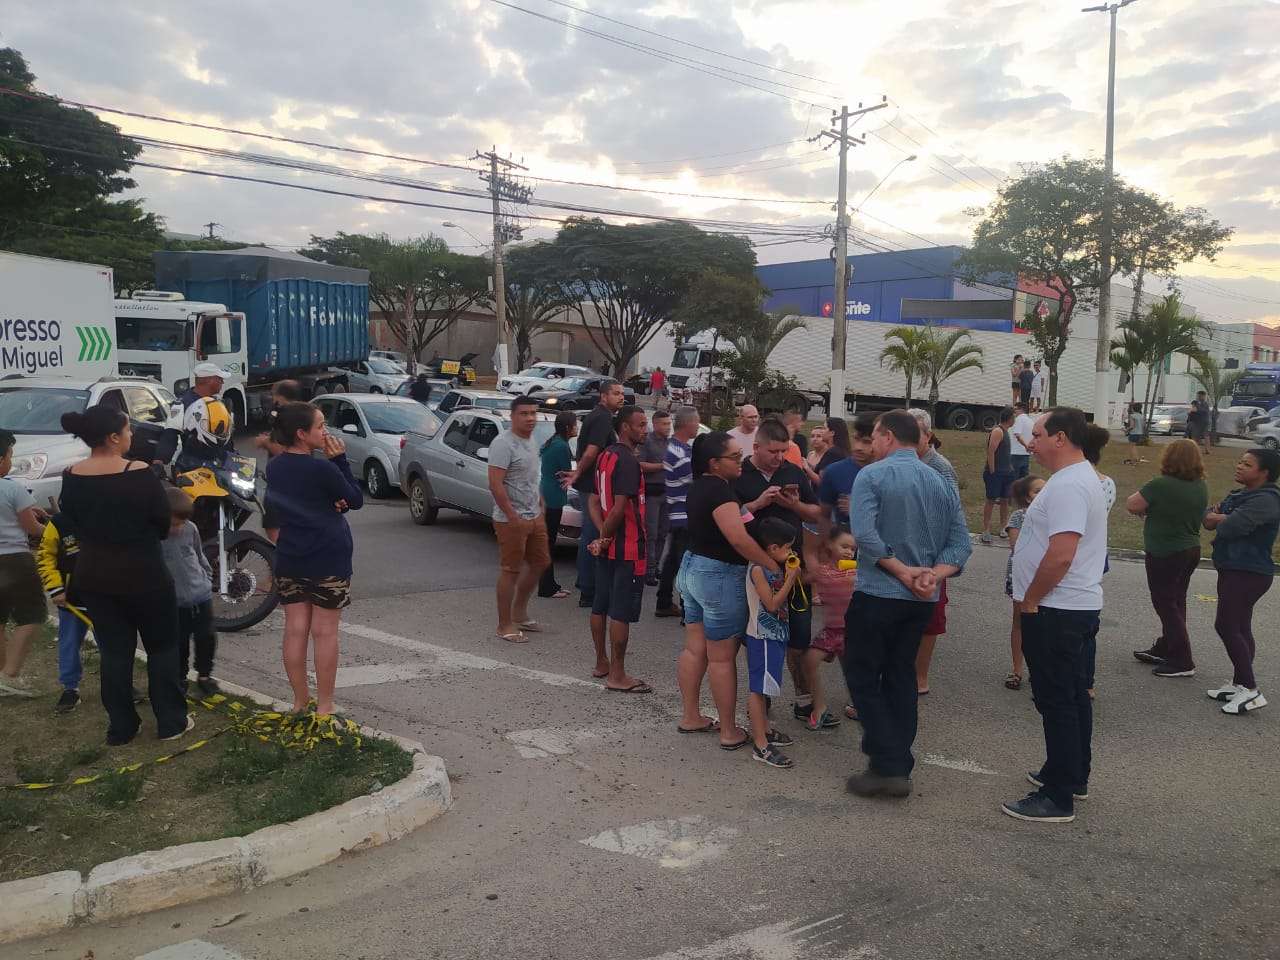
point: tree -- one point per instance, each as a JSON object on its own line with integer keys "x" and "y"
{"x": 1046, "y": 227}
{"x": 912, "y": 356}
{"x": 420, "y": 285}
{"x": 1150, "y": 340}
{"x": 632, "y": 277}
{"x": 1129, "y": 350}
{"x": 1217, "y": 383}
{"x": 531, "y": 304}
{"x": 951, "y": 356}
{"x": 1164, "y": 237}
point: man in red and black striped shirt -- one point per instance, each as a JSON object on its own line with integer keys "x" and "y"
{"x": 617, "y": 509}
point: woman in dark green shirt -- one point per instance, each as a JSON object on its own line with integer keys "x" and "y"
{"x": 557, "y": 461}
{"x": 1173, "y": 505}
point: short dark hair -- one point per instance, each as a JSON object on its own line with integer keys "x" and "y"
{"x": 1006, "y": 413}
{"x": 864, "y": 423}
{"x": 1268, "y": 460}
{"x": 902, "y": 425}
{"x": 287, "y": 390}
{"x": 1020, "y": 406}
{"x": 772, "y": 430}
{"x": 774, "y": 532}
{"x": 607, "y": 384}
{"x": 523, "y": 401}
{"x": 1067, "y": 420}
{"x": 625, "y": 413}
{"x": 7, "y": 439}
{"x": 661, "y": 415}
{"x": 180, "y": 504}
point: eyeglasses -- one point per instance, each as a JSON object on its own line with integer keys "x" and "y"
{"x": 730, "y": 456}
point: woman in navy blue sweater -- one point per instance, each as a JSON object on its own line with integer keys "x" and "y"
{"x": 310, "y": 497}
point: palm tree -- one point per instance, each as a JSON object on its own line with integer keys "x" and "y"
{"x": 1171, "y": 333}
{"x": 911, "y": 355}
{"x": 1129, "y": 352}
{"x": 949, "y": 358}
{"x": 754, "y": 340}
{"x": 1216, "y": 383}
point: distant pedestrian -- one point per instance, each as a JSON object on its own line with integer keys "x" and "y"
{"x": 523, "y": 542}
{"x": 768, "y": 589}
{"x": 997, "y": 473}
{"x": 1039, "y": 388}
{"x": 652, "y": 455}
{"x": 911, "y": 533}
{"x": 314, "y": 552}
{"x": 823, "y": 451}
{"x": 837, "y": 479}
{"x": 595, "y": 434}
{"x": 1246, "y": 522}
{"x": 1021, "y": 494}
{"x": 1057, "y": 575}
{"x": 21, "y": 594}
{"x": 1173, "y": 506}
{"x": 420, "y": 389}
{"x": 1198, "y": 419}
{"x": 658, "y": 385}
{"x": 1015, "y": 373}
{"x": 557, "y": 463}
{"x": 677, "y": 479}
{"x": 1133, "y": 422}
{"x": 745, "y": 431}
{"x": 617, "y": 512}
{"x": 1020, "y": 440}
{"x": 1026, "y": 377}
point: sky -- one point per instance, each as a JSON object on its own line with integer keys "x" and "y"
{"x": 700, "y": 110}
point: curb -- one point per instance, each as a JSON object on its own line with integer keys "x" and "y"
{"x": 196, "y": 871}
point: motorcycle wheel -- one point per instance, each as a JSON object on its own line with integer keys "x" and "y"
{"x": 251, "y": 584}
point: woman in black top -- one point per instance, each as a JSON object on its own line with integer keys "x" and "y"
{"x": 120, "y": 512}
{"x": 713, "y": 585}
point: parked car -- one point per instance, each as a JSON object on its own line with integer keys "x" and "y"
{"x": 374, "y": 428}
{"x": 450, "y": 468}
{"x": 32, "y": 407}
{"x": 438, "y": 389}
{"x": 485, "y": 399}
{"x": 399, "y": 359}
{"x": 375, "y": 375}
{"x": 540, "y": 376}
{"x": 641, "y": 383}
{"x": 1169, "y": 418}
{"x": 1267, "y": 434}
{"x": 1240, "y": 421}
{"x": 576, "y": 393}
{"x": 460, "y": 371}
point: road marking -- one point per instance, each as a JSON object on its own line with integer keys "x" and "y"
{"x": 788, "y": 940}
{"x": 193, "y": 950}
{"x": 373, "y": 673}
{"x": 544, "y": 742}
{"x": 446, "y": 659}
{"x": 964, "y": 766}
{"x": 687, "y": 842}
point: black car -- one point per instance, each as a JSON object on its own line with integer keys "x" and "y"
{"x": 576, "y": 393}
{"x": 640, "y": 383}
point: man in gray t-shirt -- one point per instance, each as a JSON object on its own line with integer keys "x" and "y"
{"x": 523, "y": 549}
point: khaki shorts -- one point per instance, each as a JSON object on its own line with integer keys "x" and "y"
{"x": 522, "y": 542}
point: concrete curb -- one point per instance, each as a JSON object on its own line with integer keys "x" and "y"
{"x": 195, "y": 871}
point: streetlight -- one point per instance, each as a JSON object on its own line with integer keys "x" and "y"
{"x": 884, "y": 178}
{"x": 1102, "y": 365}
{"x": 458, "y": 226}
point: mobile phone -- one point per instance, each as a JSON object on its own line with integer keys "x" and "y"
{"x": 791, "y": 488}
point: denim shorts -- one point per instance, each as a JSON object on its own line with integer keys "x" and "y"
{"x": 714, "y": 594}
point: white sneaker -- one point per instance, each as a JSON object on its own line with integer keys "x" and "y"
{"x": 1244, "y": 701}
{"x": 1224, "y": 692}
{"x": 16, "y": 687}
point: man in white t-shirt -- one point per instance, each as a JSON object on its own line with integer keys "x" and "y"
{"x": 1039, "y": 387}
{"x": 1057, "y": 576}
{"x": 1020, "y": 441}
{"x": 745, "y": 431}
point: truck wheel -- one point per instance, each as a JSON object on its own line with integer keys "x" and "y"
{"x": 421, "y": 507}
{"x": 320, "y": 389}
{"x": 960, "y": 418}
{"x": 988, "y": 420}
{"x": 337, "y": 386}
{"x": 375, "y": 480}
{"x": 237, "y": 410}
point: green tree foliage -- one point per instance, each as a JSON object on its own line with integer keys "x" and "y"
{"x": 953, "y": 353}
{"x": 913, "y": 355}
{"x": 1149, "y": 340}
{"x": 419, "y": 284}
{"x": 59, "y": 166}
{"x": 1217, "y": 383}
{"x": 624, "y": 282}
{"x": 531, "y": 303}
{"x": 1163, "y": 238}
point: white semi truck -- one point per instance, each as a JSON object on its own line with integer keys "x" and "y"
{"x": 970, "y": 399}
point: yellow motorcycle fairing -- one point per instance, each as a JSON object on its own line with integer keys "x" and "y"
{"x": 200, "y": 482}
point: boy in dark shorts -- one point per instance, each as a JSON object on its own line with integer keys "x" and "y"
{"x": 766, "y": 639}
{"x": 617, "y": 510}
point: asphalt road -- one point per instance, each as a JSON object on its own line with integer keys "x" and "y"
{"x": 584, "y": 827}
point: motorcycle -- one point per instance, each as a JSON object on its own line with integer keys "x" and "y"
{"x": 224, "y": 496}
{"x": 460, "y": 371}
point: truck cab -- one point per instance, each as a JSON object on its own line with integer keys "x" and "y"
{"x": 1258, "y": 387}
{"x": 161, "y": 335}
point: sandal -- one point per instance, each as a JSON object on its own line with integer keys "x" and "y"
{"x": 772, "y": 757}
{"x": 533, "y": 626}
{"x": 850, "y": 712}
{"x": 1013, "y": 681}
{"x": 516, "y": 637}
{"x": 746, "y": 738}
{"x": 559, "y": 594}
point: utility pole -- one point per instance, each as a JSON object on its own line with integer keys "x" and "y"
{"x": 840, "y": 253}
{"x": 501, "y": 187}
{"x": 1102, "y": 366}
{"x": 212, "y": 235}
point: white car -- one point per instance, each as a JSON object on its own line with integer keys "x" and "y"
{"x": 375, "y": 375}
{"x": 539, "y": 376}
{"x": 32, "y": 407}
{"x": 374, "y": 428}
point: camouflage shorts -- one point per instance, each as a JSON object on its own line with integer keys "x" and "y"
{"x": 331, "y": 593}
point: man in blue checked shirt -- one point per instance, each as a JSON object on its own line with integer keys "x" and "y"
{"x": 911, "y": 536}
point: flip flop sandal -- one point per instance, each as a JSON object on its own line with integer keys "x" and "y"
{"x": 516, "y": 637}
{"x": 1013, "y": 681}
{"x": 533, "y": 626}
{"x": 746, "y": 738}
{"x": 638, "y": 687}
{"x": 850, "y": 712}
{"x": 712, "y": 727}
{"x": 559, "y": 595}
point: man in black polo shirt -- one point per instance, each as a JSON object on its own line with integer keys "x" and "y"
{"x": 771, "y": 487}
{"x": 595, "y": 434}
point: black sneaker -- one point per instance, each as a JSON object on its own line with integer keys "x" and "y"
{"x": 1037, "y": 808}
{"x": 585, "y": 601}
{"x": 669, "y": 611}
{"x": 772, "y": 757}
{"x": 208, "y": 686}
{"x": 870, "y": 783}
{"x": 779, "y": 738}
{"x": 1168, "y": 670}
{"x": 802, "y": 711}
{"x": 1079, "y": 793}
{"x": 69, "y": 700}
{"x": 1148, "y": 656}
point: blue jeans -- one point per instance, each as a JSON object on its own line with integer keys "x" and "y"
{"x": 882, "y": 637}
{"x": 1021, "y": 464}
{"x": 71, "y": 634}
{"x": 586, "y": 562}
{"x": 1059, "y": 647}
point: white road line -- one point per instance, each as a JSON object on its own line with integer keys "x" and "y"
{"x": 446, "y": 659}
{"x": 193, "y": 950}
{"x": 373, "y": 673}
{"x": 964, "y": 766}
{"x": 687, "y": 842}
{"x": 543, "y": 742}
{"x": 788, "y": 940}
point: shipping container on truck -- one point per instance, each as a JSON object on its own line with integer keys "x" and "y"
{"x": 55, "y": 318}
{"x": 264, "y": 315}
